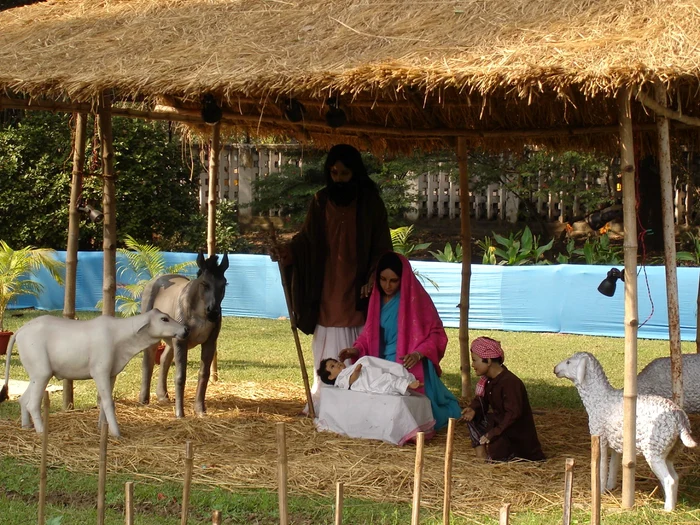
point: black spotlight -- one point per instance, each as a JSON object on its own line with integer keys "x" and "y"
{"x": 335, "y": 117}
{"x": 92, "y": 214}
{"x": 294, "y": 110}
{"x": 607, "y": 286}
{"x": 211, "y": 112}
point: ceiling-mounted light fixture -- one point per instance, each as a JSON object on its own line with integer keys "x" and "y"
{"x": 211, "y": 111}
{"x": 335, "y": 116}
{"x": 293, "y": 110}
{"x": 607, "y": 286}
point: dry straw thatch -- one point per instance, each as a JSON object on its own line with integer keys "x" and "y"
{"x": 404, "y": 70}
{"x": 236, "y": 449}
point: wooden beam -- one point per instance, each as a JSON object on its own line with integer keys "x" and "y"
{"x": 669, "y": 238}
{"x": 214, "y": 149}
{"x": 627, "y": 167}
{"x": 109, "y": 208}
{"x": 466, "y": 234}
{"x": 660, "y": 109}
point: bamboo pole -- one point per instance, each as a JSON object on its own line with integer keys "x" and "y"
{"x": 595, "y": 480}
{"x": 102, "y": 474}
{"x": 42, "y": 468}
{"x": 659, "y": 107}
{"x": 465, "y": 225}
{"x": 568, "y": 489}
{"x": 189, "y": 455}
{"x": 216, "y": 517}
{"x": 504, "y": 514}
{"x": 448, "y": 471}
{"x": 129, "y": 503}
{"x": 417, "y": 478}
{"x": 669, "y": 237}
{"x": 76, "y": 190}
{"x": 282, "y": 472}
{"x": 215, "y": 146}
{"x": 109, "y": 225}
{"x": 338, "y": 503}
{"x": 627, "y": 167}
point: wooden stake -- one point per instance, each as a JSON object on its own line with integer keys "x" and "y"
{"x": 42, "y": 469}
{"x": 465, "y": 225}
{"x": 568, "y": 489}
{"x": 76, "y": 190}
{"x": 109, "y": 208}
{"x": 129, "y": 503}
{"x": 187, "y": 482}
{"x": 214, "y": 148}
{"x": 282, "y": 472}
{"x": 627, "y": 168}
{"x": 102, "y": 475}
{"x": 504, "y": 514}
{"x": 448, "y": 471}
{"x": 595, "y": 480}
{"x": 216, "y": 517}
{"x": 417, "y": 478}
{"x": 669, "y": 237}
{"x": 338, "y": 503}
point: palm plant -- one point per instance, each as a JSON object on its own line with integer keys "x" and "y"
{"x": 400, "y": 241}
{"x": 144, "y": 262}
{"x": 17, "y": 267}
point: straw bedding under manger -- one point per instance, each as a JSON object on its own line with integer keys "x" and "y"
{"x": 236, "y": 448}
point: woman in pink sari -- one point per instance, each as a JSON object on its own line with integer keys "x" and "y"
{"x": 403, "y": 325}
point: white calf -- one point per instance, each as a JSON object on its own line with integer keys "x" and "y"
{"x": 97, "y": 348}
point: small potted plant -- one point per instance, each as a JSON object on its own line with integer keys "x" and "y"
{"x": 17, "y": 267}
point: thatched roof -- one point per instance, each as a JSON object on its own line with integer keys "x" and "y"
{"x": 424, "y": 67}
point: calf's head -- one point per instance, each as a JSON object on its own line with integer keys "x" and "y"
{"x": 160, "y": 325}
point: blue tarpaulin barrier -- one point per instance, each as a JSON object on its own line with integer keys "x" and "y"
{"x": 557, "y": 298}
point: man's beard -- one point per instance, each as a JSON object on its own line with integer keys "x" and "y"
{"x": 342, "y": 193}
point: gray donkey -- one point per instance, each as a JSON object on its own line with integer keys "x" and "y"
{"x": 196, "y": 304}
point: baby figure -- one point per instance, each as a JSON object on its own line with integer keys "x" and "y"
{"x": 369, "y": 374}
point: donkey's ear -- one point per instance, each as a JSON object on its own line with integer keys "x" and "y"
{"x": 581, "y": 370}
{"x": 200, "y": 259}
{"x": 224, "y": 263}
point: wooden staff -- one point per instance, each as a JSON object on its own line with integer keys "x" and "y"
{"x": 417, "y": 478}
{"x": 187, "y": 482}
{"x": 102, "y": 476}
{"x": 292, "y": 320}
{"x": 216, "y": 517}
{"x": 42, "y": 471}
{"x": 595, "y": 480}
{"x": 568, "y": 489}
{"x": 282, "y": 472}
{"x": 448, "y": 471}
{"x": 504, "y": 514}
{"x": 129, "y": 503}
{"x": 338, "y": 503}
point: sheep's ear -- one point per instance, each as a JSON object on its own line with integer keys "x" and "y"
{"x": 581, "y": 371}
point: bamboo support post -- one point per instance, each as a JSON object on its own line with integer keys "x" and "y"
{"x": 189, "y": 455}
{"x": 282, "y": 472}
{"x": 44, "y": 452}
{"x": 214, "y": 148}
{"x": 216, "y": 517}
{"x": 417, "y": 478}
{"x": 627, "y": 168}
{"x": 338, "y": 503}
{"x": 109, "y": 224}
{"x": 465, "y": 226}
{"x": 669, "y": 238}
{"x": 76, "y": 190}
{"x": 448, "y": 471}
{"x": 504, "y": 514}
{"x": 595, "y": 480}
{"x": 568, "y": 489}
{"x": 102, "y": 475}
{"x": 129, "y": 503}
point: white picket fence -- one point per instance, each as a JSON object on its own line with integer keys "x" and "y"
{"x": 437, "y": 194}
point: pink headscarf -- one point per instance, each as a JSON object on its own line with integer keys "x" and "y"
{"x": 485, "y": 348}
{"x": 420, "y": 328}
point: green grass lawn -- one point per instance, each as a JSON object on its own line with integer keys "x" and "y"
{"x": 262, "y": 351}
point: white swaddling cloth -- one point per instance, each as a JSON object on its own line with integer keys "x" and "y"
{"x": 378, "y": 376}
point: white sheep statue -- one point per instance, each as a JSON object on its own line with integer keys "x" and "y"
{"x": 659, "y": 424}
{"x": 655, "y": 379}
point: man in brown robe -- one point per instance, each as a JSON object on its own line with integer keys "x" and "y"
{"x": 330, "y": 262}
{"x": 499, "y": 417}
